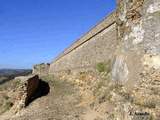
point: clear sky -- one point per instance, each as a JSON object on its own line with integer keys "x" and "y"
{"x": 36, "y": 31}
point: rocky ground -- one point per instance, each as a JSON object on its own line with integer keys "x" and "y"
{"x": 90, "y": 96}
{"x": 110, "y": 100}
{"x": 62, "y": 103}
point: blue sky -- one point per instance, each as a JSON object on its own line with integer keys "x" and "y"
{"x": 36, "y": 31}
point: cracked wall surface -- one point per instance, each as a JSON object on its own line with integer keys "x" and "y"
{"x": 138, "y": 24}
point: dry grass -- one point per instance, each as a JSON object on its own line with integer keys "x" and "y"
{"x": 146, "y": 103}
{"x": 5, "y": 103}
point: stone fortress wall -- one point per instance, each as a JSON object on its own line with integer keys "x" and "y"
{"x": 129, "y": 38}
{"x": 94, "y": 47}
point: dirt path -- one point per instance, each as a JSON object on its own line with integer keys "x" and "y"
{"x": 60, "y": 104}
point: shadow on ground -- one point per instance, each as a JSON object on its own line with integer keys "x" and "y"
{"x": 42, "y": 90}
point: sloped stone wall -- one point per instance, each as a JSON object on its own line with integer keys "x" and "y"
{"x": 94, "y": 47}
{"x": 129, "y": 37}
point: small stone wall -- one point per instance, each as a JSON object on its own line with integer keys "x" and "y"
{"x": 41, "y": 69}
{"x": 26, "y": 89}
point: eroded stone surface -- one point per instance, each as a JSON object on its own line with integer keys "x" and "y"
{"x": 25, "y": 91}
{"x": 120, "y": 70}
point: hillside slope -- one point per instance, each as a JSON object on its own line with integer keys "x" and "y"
{"x": 62, "y": 103}
{"x": 8, "y": 74}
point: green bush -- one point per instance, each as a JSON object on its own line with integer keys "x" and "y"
{"x": 101, "y": 67}
{"x": 104, "y": 67}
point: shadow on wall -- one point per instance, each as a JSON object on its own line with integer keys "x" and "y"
{"x": 42, "y": 90}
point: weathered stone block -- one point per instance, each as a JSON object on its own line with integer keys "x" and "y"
{"x": 25, "y": 91}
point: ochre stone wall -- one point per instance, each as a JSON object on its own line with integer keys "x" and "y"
{"x": 94, "y": 47}
{"x": 138, "y": 24}
{"x": 129, "y": 37}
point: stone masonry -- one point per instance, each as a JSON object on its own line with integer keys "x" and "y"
{"x": 94, "y": 47}
{"x": 138, "y": 24}
{"x": 116, "y": 65}
{"x": 129, "y": 38}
